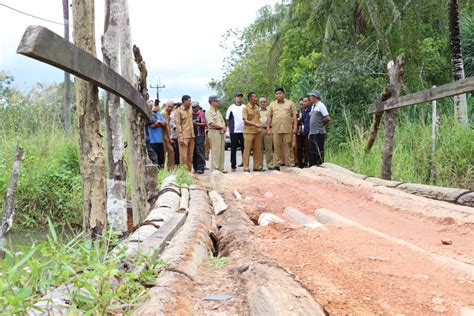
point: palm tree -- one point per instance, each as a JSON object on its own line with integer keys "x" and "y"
{"x": 460, "y": 104}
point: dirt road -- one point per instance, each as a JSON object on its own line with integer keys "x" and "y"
{"x": 404, "y": 269}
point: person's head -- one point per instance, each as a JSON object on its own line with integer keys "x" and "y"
{"x": 252, "y": 97}
{"x": 214, "y": 101}
{"x": 314, "y": 96}
{"x": 169, "y": 105}
{"x": 263, "y": 102}
{"x": 280, "y": 94}
{"x": 305, "y": 102}
{"x": 195, "y": 106}
{"x": 151, "y": 104}
{"x": 238, "y": 98}
{"x": 300, "y": 102}
{"x": 186, "y": 99}
{"x": 177, "y": 105}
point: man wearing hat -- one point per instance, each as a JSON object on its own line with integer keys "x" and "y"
{"x": 281, "y": 123}
{"x": 216, "y": 125}
{"x": 199, "y": 159}
{"x": 236, "y": 129}
{"x": 317, "y": 128}
{"x": 185, "y": 130}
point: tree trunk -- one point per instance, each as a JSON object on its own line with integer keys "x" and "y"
{"x": 135, "y": 123}
{"x": 90, "y": 135}
{"x": 377, "y": 118}
{"x": 9, "y": 213}
{"x": 460, "y": 103}
{"x": 116, "y": 185}
{"x": 67, "y": 79}
{"x": 395, "y": 71}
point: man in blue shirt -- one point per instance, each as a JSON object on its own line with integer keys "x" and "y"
{"x": 155, "y": 134}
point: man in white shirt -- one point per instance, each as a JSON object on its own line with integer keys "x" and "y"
{"x": 317, "y": 128}
{"x": 235, "y": 123}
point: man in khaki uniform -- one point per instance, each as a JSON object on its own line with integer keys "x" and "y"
{"x": 168, "y": 108}
{"x": 185, "y": 129}
{"x": 252, "y": 137}
{"x": 216, "y": 125}
{"x": 281, "y": 124}
{"x": 267, "y": 139}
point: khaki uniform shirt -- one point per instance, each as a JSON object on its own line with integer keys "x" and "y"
{"x": 282, "y": 116}
{"x": 168, "y": 120}
{"x": 184, "y": 123}
{"x": 263, "y": 116}
{"x": 251, "y": 114}
{"x": 214, "y": 116}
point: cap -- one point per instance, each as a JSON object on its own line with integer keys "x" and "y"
{"x": 195, "y": 104}
{"x": 315, "y": 93}
{"x": 213, "y": 98}
{"x": 239, "y": 94}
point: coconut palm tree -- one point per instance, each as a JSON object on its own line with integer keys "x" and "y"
{"x": 460, "y": 104}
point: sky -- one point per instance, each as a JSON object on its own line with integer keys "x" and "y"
{"x": 179, "y": 40}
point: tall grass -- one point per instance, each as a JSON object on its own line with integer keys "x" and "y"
{"x": 454, "y": 159}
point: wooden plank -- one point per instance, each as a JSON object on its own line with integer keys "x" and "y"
{"x": 444, "y": 91}
{"x": 44, "y": 45}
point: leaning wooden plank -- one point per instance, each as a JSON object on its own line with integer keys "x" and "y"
{"x": 218, "y": 202}
{"x": 42, "y": 44}
{"x": 444, "y": 91}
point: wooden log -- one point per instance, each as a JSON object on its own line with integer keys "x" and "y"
{"x": 9, "y": 213}
{"x": 266, "y": 218}
{"x": 466, "y": 199}
{"x": 432, "y": 192}
{"x": 184, "y": 201}
{"x": 343, "y": 170}
{"x": 377, "y": 118}
{"x": 218, "y": 202}
{"x": 444, "y": 91}
{"x": 299, "y": 218}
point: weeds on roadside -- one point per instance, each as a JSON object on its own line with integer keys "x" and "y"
{"x": 87, "y": 266}
{"x": 217, "y": 262}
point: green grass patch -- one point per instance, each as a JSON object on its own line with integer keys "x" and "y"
{"x": 217, "y": 262}
{"x": 86, "y": 265}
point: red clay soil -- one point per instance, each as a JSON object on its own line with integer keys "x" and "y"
{"x": 351, "y": 271}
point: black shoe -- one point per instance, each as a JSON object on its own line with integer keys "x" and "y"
{"x": 234, "y": 169}
{"x": 224, "y": 171}
{"x": 246, "y": 170}
{"x": 206, "y": 168}
{"x": 276, "y": 168}
{"x": 257, "y": 170}
{"x": 241, "y": 165}
{"x": 200, "y": 171}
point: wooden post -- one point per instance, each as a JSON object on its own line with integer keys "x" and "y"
{"x": 434, "y": 125}
{"x": 395, "y": 71}
{"x": 135, "y": 122}
{"x": 377, "y": 118}
{"x": 92, "y": 162}
{"x": 116, "y": 183}
{"x": 9, "y": 214}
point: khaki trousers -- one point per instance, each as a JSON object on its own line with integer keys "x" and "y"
{"x": 253, "y": 142}
{"x": 169, "y": 155}
{"x": 216, "y": 144}
{"x": 267, "y": 149}
{"x": 283, "y": 148}
{"x": 186, "y": 151}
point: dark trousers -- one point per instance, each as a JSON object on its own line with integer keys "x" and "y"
{"x": 199, "y": 156}
{"x": 160, "y": 154}
{"x": 316, "y": 149}
{"x": 302, "y": 150}
{"x": 175, "y": 144}
{"x": 236, "y": 140}
{"x": 151, "y": 152}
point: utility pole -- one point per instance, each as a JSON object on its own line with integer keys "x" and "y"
{"x": 158, "y": 88}
{"x": 67, "y": 82}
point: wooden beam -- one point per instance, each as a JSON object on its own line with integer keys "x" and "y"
{"x": 44, "y": 45}
{"x": 444, "y": 91}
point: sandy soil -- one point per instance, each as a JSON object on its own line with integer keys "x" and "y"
{"x": 351, "y": 271}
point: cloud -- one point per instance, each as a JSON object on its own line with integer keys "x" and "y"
{"x": 178, "y": 39}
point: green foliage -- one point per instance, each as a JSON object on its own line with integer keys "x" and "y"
{"x": 87, "y": 266}
{"x": 467, "y": 44}
{"x": 217, "y": 262}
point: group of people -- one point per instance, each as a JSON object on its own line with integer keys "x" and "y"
{"x": 277, "y": 132}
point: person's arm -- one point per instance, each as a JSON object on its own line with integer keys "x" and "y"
{"x": 293, "y": 117}
{"x": 179, "y": 128}
{"x": 245, "y": 116}
{"x": 325, "y": 113}
{"x": 211, "y": 123}
{"x": 269, "y": 121}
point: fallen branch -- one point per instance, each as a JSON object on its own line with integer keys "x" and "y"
{"x": 9, "y": 213}
{"x": 374, "y": 128}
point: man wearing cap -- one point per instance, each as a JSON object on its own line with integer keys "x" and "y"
{"x": 199, "y": 159}
{"x": 317, "y": 131}
{"x": 185, "y": 130}
{"x": 155, "y": 132}
{"x": 235, "y": 123}
{"x": 267, "y": 141}
{"x": 281, "y": 124}
{"x": 166, "y": 112}
{"x": 216, "y": 125}
{"x": 252, "y": 137}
